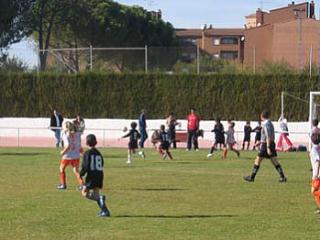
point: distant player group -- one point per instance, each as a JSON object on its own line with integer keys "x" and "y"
{"x": 92, "y": 164}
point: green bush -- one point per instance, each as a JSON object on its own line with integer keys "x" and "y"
{"x": 100, "y": 95}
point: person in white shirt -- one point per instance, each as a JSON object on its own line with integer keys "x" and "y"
{"x": 284, "y": 133}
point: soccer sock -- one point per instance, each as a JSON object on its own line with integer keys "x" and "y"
{"x": 129, "y": 158}
{"x": 63, "y": 178}
{"x": 225, "y": 152}
{"x": 92, "y": 196}
{"x": 102, "y": 203}
{"x": 280, "y": 171}
{"x": 211, "y": 150}
{"x": 169, "y": 154}
{"x": 255, "y": 171}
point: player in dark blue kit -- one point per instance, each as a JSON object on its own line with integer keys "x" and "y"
{"x": 134, "y": 136}
{"x": 92, "y": 167}
{"x": 164, "y": 143}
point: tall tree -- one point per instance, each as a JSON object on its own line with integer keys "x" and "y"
{"x": 12, "y": 21}
{"x": 43, "y": 16}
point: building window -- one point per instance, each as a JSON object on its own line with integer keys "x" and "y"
{"x": 216, "y": 41}
{"x": 229, "y": 55}
{"x": 229, "y": 40}
{"x": 192, "y": 41}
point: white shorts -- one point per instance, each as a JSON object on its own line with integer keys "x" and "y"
{"x": 315, "y": 158}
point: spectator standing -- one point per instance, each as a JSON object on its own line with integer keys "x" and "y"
{"x": 193, "y": 127}
{"x": 55, "y": 125}
{"x": 143, "y": 131}
{"x": 171, "y": 124}
{"x": 284, "y": 133}
{"x": 79, "y": 122}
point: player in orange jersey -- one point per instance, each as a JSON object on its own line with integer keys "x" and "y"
{"x": 70, "y": 154}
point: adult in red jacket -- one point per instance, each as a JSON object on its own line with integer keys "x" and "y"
{"x": 193, "y": 127}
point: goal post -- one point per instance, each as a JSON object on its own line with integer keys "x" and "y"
{"x": 313, "y": 112}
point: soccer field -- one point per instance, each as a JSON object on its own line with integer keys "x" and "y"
{"x": 191, "y": 197}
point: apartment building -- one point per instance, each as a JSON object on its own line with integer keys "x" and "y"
{"x": 289, "y": 34}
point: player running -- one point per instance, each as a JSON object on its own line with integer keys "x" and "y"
{"x": 134, "y": 136}
{"x": 315, "y": 158}
{"x": 219, "y": 137}
{"x": 92, "y": 168}
{"x": 267, "y": 150}
{"x": 230, "y": 142}
{"x": 70, "y": 154}
{"x": 164, "y": 143}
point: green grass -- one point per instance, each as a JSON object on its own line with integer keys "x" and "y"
{"x": 188, "y": 198}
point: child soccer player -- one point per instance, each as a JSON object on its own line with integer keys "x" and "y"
{"x": 164, "y": 143}
{"x": 92, "y": 167}
{"x": 257, "y": 138}
{"x": 230, "y": 141}
{"x": 70, "y": 154}
{"x": 315, "y": 158}
{"x": 219, "y": 136}
{"x": 247, "y": 135}
{"x": 267, "y": 150}
{"x": 134, "y": 136}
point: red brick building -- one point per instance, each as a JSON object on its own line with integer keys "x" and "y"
{"x": 289, "y": 34}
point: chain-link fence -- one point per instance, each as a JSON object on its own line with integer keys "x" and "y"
{"x": 170, "y": 60}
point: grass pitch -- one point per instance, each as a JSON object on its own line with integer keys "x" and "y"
{"x": 191, "y": 197}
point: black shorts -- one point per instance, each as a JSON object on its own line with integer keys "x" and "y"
{"x": 247, "y": 139}
{"x": 95, "y": 181}
{"x": 132, "y": 145}
{"x": 263, "y": 153}
{"x": 165, "y": 145}
{"x": 220, "y": 140}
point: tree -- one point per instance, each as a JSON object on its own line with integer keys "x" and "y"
{"x": 42, "y": 17}
{"x": 12, "y": 21}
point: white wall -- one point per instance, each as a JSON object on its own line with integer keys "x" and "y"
{"x": 38, "y": 127}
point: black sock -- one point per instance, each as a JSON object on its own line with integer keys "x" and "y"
{"x": 280, "y": 171}
{"x": 254, "y": 171}
{"x": 211, "y": 150}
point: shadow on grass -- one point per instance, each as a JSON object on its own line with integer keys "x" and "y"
{"x": 22, "y": 154}
{"x": 158, "y": 189}
{"x": 174, "y": 217}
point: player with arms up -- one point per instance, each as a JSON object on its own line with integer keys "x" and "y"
{"x": 315, "y": 158}
{"x": 92, "y": 167}
{"x": 70, "y": 154}
{"x": 267, "y": 150}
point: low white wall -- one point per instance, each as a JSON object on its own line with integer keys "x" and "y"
{"x": 112, "y": 128}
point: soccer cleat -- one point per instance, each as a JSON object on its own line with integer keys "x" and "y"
{"x": 197, "y": 149}
{"x": 61, "y": 187}
{"x": 80, "y": 187}
{"x": 283, "y": 179}
{"x": 141, "y": 153}
{"x": 248, "y": 179}
{"x": 128, "y": 162}
{"x": 187, "y": 149}
{"x": 317, "y": 211}
{"x": 104, "y": 213}
{"x": 209, "y": 155}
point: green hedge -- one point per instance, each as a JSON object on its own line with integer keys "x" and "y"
{"x": 98, "y": 95}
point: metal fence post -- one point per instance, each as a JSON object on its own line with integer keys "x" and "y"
{"x": 198, "y": 59}
{"x": 91, "y": 66}
{"x": 146, "y": 58}
{"x": 18, "y": 137}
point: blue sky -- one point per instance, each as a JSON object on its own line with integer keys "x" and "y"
{"x": 184, "y": 14}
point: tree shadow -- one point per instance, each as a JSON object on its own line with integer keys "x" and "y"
{"x": 22, "y": 154}
{"x": 177, "y": 217}
{"x": 158, "y": 189}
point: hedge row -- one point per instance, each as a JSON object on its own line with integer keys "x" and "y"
{"x": 97, "y": 95}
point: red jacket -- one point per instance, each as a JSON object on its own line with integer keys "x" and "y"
{"x": 193, "y": 121}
